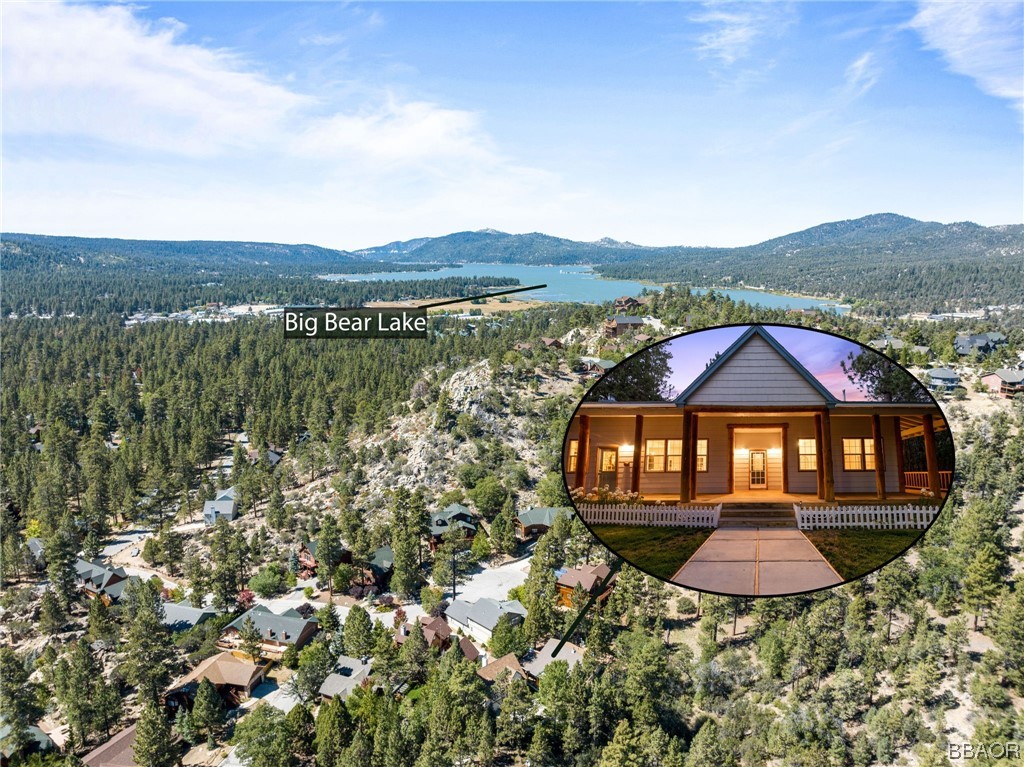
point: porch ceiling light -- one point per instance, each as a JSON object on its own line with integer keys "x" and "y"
{"x": 774, "y": 451}
{"x": 625, "y": 451}
{"x": 741, "y": 451}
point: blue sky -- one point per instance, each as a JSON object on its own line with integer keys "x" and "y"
{"x": 356, "y": 124}
{"x": 820, "y": 353}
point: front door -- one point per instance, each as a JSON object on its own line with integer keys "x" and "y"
{"x": 758, "y": 470}
{"x": 607, "y": 467}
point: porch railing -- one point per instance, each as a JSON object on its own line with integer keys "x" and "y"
{"x": 871, "y": 517}
{"x": 651, "y": 516}
{"x": 918, "y": 480}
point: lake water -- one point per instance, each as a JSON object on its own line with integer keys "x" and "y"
{"x": 574, "y": 283}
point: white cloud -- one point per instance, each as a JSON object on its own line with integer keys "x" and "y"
{"x": 861, "y": 76}
{"x": 982, "y": 40}
{"x": 736, "y": 28}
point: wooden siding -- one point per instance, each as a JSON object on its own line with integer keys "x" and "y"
{"x": 756, "y": 375}
{"x": 859, "y": 426}
{"x": 762, "y": 439}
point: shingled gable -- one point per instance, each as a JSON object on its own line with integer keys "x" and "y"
{"x": 776, "y": 369}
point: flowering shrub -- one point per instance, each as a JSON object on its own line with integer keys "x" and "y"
{"x": 606, "y": 495}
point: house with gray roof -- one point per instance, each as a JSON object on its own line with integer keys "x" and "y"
{"x": 277, "y": 632}
{"x": 37, "y": 548}
{"x": 1005, "y": 382}
{"x": 181, "y": 616}
{"x": 538, "y": 660}
{"x": 538, "y": 519}
{"x": 982, "y": 343}
{"x": 478, "y": 619}
{"x": 453, "y": 516}
{"x": 224, "y": 508}
{"x": 349, "y": 674}
{"x": 97, "y": 580}
{"x": 942, "y": 379}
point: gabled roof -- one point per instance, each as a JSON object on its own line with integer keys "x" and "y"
{"x": 485, "y": 611}
{"x": 224, "y": 669}
{"x": 100, "y": 578}
{"x": 469, "y": 650}
{"x": 587, "y": 576}
{"x": 225, "y": 495}
{"x": 349, "y": 675}
{"x": 116, "y": 752}
{"x": 509, "y": 663}
{"x": 181, "y": 616}
{"x": 541, "y": 515}
{"x": 383, "y": 559}
{"x": 626, "y": 320}
{"x": 1009, "y": 376}
{"x": 570, "y": 653}
{"x": 280, "y": 628}
{"x": 739, "y": 343}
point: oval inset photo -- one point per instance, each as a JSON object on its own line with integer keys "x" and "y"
{"x": 758, "y": 460}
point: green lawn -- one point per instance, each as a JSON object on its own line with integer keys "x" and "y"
{"x": 661, "y": 551}
{"x": 857, "y": 552}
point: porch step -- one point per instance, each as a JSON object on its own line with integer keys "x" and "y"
{"x": 757, "y": 515}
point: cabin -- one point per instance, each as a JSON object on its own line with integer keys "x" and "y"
{"x": 551, "y": 343}
{"x": 37, "y": 741}
{"x": 620, "y": 325}
{"x": 980, "y": 343}
{"x": 478, "y": 619}
{"x": 37, "y": 550}
{"x": 277, "y": 632}
{"x": 453, "y": 516}
{"x": 589, "y": 578}
{"x": 349, "y": 674}
{"x": 507, "y": 664}
{"x": 223, "y": 506}
{"x": 942, "y": 379}
{"x": 626, "y": 304}
{"x": 537, "y": 661}
{"x": 182, "y": 616}
{"x": 436, "y": 632}
{"x": 537, "y": 520}
{"x": 99, "y": 581}
{"x": 756, "y": 426}
{"x": 1006, "y": 383}
{"x": 596, "y": 365}
{"x": 234, "y": 679}
{"x": 116, "y": 752}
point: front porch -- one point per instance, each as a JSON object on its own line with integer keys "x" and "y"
{"x": 749, "y": 498}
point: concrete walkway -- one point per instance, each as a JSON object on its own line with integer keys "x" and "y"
{"x": 757, "y": 562}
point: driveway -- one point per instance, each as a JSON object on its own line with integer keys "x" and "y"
{"x": 757, "y": 562}
{"x": 495, "y": 582}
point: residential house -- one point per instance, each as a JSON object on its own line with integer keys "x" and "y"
{"x": 596, "y": 366}
{"x": 538, "y": 660}
{"x": 116, "y": 752}
{"x": 223, "y": 506}
{"x": 589, "y": 578}
{"x": 37, "y": 741}
{"x": 278, "y": 632}
{"x": 551, "y": 343}
{"x": 1004, "y": 382}
{"x": 478, "y": 619}
{"x": 643, "y": 338}
{"x": 537, "y": 520}
{"x": 941, "y": 379}
{"x": 982, "y": 343}
{"x": 469, "y": 650}
{"x": 507, "y": 664}
{"x": 307, "y": 559}
{"x": 182, "y": 616}
{"x": 97, "y": 580}
{"x": 755, "y": 422}
{"x": 234, "y": 678}
{"x": 349, "y": 674}
{"x": 620, "y": 325}
{"x": 453, "y": 516}
{"x": 382, "y": 563}
{"x": 37, "y": 550}
{"x": 436, "y": 632}
{"x": 626, "y": 304}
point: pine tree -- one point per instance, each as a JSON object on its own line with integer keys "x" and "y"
{"x": 208, "y": 714}
{"x": 184, "y": 726}
{"x": 154, "y": 746}
{"x": 329, "y": 550}
{"x": 358, "y": 631}
{"x": 52, "y": 617}
{"x": 333, "y": 733}
{"x": 250, "y": 640}
{"x": 982, "y": 580}
{"x": 18, "y": 701}
{"x": 148, "y": 647}
{"x": 102, "y": 627}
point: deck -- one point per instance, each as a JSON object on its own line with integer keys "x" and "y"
{"x": 750, "y": 497}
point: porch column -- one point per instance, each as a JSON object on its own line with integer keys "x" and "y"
{"x": 826, "y": 456}
{"x": 638, "y": 440}
{"x": 732, "y": 459}
{"x": 900, "y": 468}
{"x": 876, "y": 440}
{"x": 785, "y": 458}
{"x": 684, "y": 472}
{"x": 583, "y": 451}
{"x": 931, "y": 456}
{"x": 693, "y": 456}
{"x": 819, "y": 461}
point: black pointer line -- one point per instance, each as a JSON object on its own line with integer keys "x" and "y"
{"x": 485, "y": 295}
{"x": 612, "y": 569}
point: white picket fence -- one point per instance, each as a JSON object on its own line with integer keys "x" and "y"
{"x": 651, "y": 516}
{"x": 873, "y": 517}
